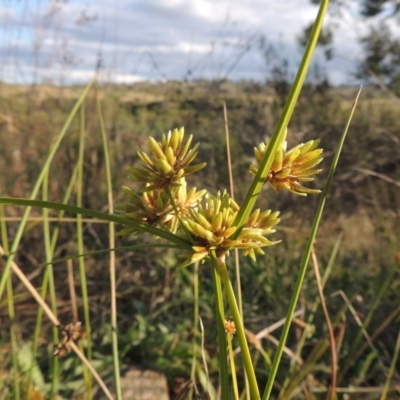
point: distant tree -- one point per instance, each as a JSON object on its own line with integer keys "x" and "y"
{"x": 368, "y": 8}
{"x": 371, "y": 8}
{"x": 381, "y": 57}
{"x": 278, "y": 71}
{"x": 325, "y": 39}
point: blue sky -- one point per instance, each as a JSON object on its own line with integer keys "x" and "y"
{"x": 63, "y": 41}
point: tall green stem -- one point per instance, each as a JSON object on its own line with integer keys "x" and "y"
{"x": 52, "y": 287}
{"x": 21, "y": 227}
{"x": 113, "y": 285}
{"x": 305, "y": 259}
{"x": 279, "y": 134}
{"x": 223, "y": 354}
{"x": 195, "y": 324}
{"x": 81, "y": 260}
{"x": 248, "y": 365}
{"x": 11, "y": 312}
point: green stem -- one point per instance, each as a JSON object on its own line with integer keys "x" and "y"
{"x": 232, "y": 364}
{"x": 284, "y": 120}
{"x": 223, "y": 355}
{"x": 392, "y": 368}
{"x": 21, "y": 227}
{"x": 113, "y": 287}
{"x": 81, "y": 260}
{"x": 240, "y": 305}
{"x": 95, "y": 214}
{"x": 195, "y": 325}
{"x": 35, "y": 341}
{"x": 280, "y": 130}
{"x": 51, "y": 285}
{"x": 356, "y": 344}
{"x": 11, "y": 312}
{"x": 310, "y": 319}
{"x": 248, "y": 365}
{"x": 306, "y": 257}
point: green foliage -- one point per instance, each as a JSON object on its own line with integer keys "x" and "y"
{"x": 382, "y": 57}
{"x": 154, "y": 299}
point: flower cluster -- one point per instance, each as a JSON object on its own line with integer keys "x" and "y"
{"x": 205, "y": 221}
{"x": 166, "y": 189}
{"x": 210, "y": 228}
{"x": 292, "y": 167}
{"x": 170, "y": 162}
{"x": 71, "y": 332}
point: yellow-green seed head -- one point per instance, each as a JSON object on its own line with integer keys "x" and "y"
{"x": 210, "y": 229}
{"x": 290, "y": 168}
{"x": 170, "y": 161}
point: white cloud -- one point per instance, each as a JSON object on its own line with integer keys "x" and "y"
{"x": 152, "y": 39}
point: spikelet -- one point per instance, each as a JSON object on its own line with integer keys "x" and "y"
{"x": 169, "y": 163}
{"x": 290, "y": 168}
{"x": 210, "y": 229}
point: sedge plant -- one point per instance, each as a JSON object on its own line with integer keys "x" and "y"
{"x": 206, "y": 227}
{"x": 207, "y": 222}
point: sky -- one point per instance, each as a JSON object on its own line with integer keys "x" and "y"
{"x": 125, "y": 41}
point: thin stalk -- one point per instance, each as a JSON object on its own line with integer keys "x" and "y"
{"x": 204, "y": 374}
{"x": 196, "y": 313}
{"x": 52, "y": 288}
{"x": 240, "y": 306}
{"x": 355, "y": 345}
{"x": 265, "y": 165}
{"x": 123, "y": 248}
{"x": 35, "y": 190}
{"x": 11, "y": 313}
{"x": 310, "y": 318}
{"x": 111, "y": 232}
{"x": 38, "y": 325}
{"x": 316, "y": 354}
{"x": 82, "y": 267}
{"x": 35, "y": 341}
{"x": 359, "y": 323}
{"x": 306, "y": 256}
{"x": 267, "y": 358}
{"x": 248, "y": 365}
{"x": 35, "y": 294}
{"x": 392, "y": 368}
{"x": 96, "y": 214}
{"x": 378, "y": 331}
{"x": 14, "y": 343}
{"x": 232, "y": 364}
{"x": 332, "y": 341}
{"x": 223, "y": 356}
{"x": 72, "y": 291}
{"x": 237, "y": 264}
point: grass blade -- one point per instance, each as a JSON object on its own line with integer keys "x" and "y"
{"x": 38, "y": 183}
{"x": 97, "y": 214}
{"x": 52, "y": 288}
{"x": 196, "y": 314}
{"x": 45, "y": 280}
{"x": 11, "y": 313}
{"x": 81, "y": 260}
{"x": 114, "y": 327}
{"x": 222, "y": 345}
{"x": 280, "y": 130}
{"x": 305, "y": 259}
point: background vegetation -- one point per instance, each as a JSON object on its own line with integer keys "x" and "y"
{"x": 357, "y": 245}
{"x": 155, "y": 299}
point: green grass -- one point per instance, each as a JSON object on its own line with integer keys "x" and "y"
{"x": 153, "y": 318}
{"x": 156, "y": 333}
